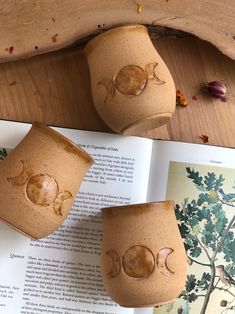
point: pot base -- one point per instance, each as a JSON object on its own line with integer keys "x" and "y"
{"x": 146, "y": 124}
{"x": 148, "y": 305}
{"x": 17, "y": 229}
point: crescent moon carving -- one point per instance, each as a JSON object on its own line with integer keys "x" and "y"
{"x": 58, "y": 202}
{"x": 110, "y": 88}
{"x": 116, "y": 264}
{"x": 150, "y": 70}
{"x": 162, "y": 261}
{"x": 22, "y": 178}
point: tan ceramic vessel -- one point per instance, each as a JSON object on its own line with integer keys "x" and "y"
{"x": 39, "y": 181}
{"x": 132, "y": 88}
{"x": 143, "y": 260}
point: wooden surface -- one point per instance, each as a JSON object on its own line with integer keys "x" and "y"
{"x": 55, "y": 89}
{"x": 29, "y": 27}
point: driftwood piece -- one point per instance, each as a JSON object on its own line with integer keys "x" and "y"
{"x": 30, "y": 27}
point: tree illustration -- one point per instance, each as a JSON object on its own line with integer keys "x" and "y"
{"x": 3, "y": 153}
{"x": 207, "y": 231}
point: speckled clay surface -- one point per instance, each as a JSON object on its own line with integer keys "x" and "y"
{"x": 40, "y": 180}
{"x": 132, "y": 88}
{"x": 143, "y": 260}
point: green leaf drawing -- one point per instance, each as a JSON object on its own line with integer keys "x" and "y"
{"x": 230, "y": 268}
{"x": 229, "y": 251}
{"x": 218, "y": 183}
{"x": 204, "y": 282}
{"x": 206, "y": 230}
{"x": 194, "y": 175}
{"x": 190, "y": 283}
{"x": 229, "y": 198}
{"x": 210, "y": 181}
{"x": 195, "y": 252}
{"x": 213, "y": 183}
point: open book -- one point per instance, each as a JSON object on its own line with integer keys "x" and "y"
{"x": 60, "y": 274}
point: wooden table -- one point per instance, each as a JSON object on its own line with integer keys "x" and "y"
{"x": 54, "y": 88}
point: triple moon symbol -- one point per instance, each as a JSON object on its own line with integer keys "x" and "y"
{"x": 139, "y": 262}
{"x": 131, "y": 80}
{"x": 41, "y": 189}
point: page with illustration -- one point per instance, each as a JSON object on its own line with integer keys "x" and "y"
{"x": 201, "y": 181}
{"x": 61, "y": 273}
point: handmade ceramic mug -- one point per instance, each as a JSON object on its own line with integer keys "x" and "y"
{"x": 39, "y": 181}
{"x": 132, "y": 88}
{"x": 143, "y": 260}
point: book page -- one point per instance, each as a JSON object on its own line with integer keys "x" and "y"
{"x": 144, "y": 310}
{"x": 201, "y": 181}
{"x": 61, "y": 273}
{"x": 165, "y": 151}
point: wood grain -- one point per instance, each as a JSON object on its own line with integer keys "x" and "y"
{"x": 55, "y": 89}
{"x": 30, "y": 27}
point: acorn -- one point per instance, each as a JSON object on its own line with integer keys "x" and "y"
{"x": 223, "y": 303}
{"x": 180, "y": 310}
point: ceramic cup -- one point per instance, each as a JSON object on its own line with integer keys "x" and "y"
{"x": 39, "y": 181}
{"x": 132, "y": 88}
{"x": 143, "y": 260}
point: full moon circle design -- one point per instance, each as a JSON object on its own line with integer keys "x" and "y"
{"x": 138, "y": 262}
{"x": 131, "y": 80}
{"x": 42, "y": 189}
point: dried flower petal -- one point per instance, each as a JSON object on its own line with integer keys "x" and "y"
{"x": 10, "y": 50}
{"x": 217, "y": 89}
{"x": 54, "y": 38}
{"x": 139, "y": 7}
{"x": 204, "y": 138}
{"x": 194, "y": 97}
{"x": 180, "y": 99}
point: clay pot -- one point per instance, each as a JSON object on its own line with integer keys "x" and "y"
{"x": 132, "y": 88}
{"x": 39, "y": 181}
{"x": 143, "y": 259}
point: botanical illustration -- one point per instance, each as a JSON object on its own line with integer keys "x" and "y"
{"x": 205, "y": 209}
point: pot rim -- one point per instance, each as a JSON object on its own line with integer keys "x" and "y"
{"x": 129, "y": 207}
{"x": 94, "y": 41}
{"x": 68, "y": 145}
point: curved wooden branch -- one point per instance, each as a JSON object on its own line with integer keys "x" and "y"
{"x": 226, "y": 290}
{"x": 199, "y": 263}
{"x": 31, "y": 27}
